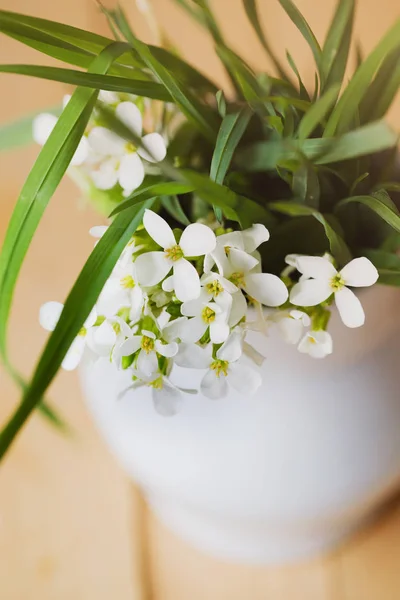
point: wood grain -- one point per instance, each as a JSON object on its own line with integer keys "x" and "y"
{"x": 71, "y": 526}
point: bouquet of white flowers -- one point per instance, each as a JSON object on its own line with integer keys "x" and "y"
{"x": 228, "y": 213}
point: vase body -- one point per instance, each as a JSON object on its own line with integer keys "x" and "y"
{"x": 281, "y": 475}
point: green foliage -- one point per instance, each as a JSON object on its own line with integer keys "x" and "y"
{"x": 317, "y": 167}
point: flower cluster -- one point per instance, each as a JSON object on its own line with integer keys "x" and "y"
{"x": 189, "y": 298}
{"x": 105, "y": 158}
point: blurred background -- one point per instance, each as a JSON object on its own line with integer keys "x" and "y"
{"x": 71, "y": 525}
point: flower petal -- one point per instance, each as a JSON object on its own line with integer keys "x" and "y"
{"x": 152, "y": 267}
{"x": 316, "y": 267}
{"x": 318, "y": 344}
{"x": 108, "y": 97}
{"x": 310, "y": 292}
{"x": 49, "y": 315}
{"x": 172, "y": 331}
{"x": 167, "y": 350}
{"x": 219, "y": 332}
{"x": 130, "y": 346}
{"x": 193, "y": 308}
{"x": 137, "y": 303}
{"x": 98, "y": 231}
{"x": 360, "y": 272}
{"x": 350, "y": 308}
{"x": 105, "y": 142}
{"x": 81, "y": 153}
{"x": 42, "y": 127}
{"x": 186, "y": 281}
{"x": 214, "y": 387}
{"x": 290, "y": 329}
{"x": 74, "y": 354}
{"x": 197, "y": 240}
{"x": 130, "y": 115}
{"x": 153, "y": 148}
{"x": 238, "y": 309}
{"x": 105, "y": 177}
{"x": 192, "y": 330}
{"x": 167, "y": 401}
{"x": 244, "y": 379}
{"x": 241, "y": 261}
{"x": 158, "y": 229}
{"x": 131, "y": 172}
{"x": 168, "y": 284}
{"x": 101, "y": 339}
{"x": 92, "y": 318}
{"x": 192, "y": 356}
{"x": 233, "y": 239}
{"x": 254, "y": 237}
{"x": 147, "y": 363}
{"x": 232, "y": 349}
{"x": 266, "y": 288}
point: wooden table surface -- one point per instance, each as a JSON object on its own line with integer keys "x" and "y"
{"x": 71, "y": 525}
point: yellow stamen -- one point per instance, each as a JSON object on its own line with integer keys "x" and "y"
{"x": 220, "y": 367}
{"x": 214, "y": 288}
{"x": 147, "y": 344}
{"x": 174, "y": 253}
{"x": 208, "y": 315}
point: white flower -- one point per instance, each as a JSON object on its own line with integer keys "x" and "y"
{"x": 291, "y": 325}
{"x": 149, "y": 346}
{"x": 206, "y": 314}
{"x": 122, "y": 291}
{"x": 223, "y": 371}
{"x": 108, "y": 97}
{"x": 317, "y": 344}
{"x": 98, "y": 231}
{"x": 42, "y": 127}
{"x": 152, "y": 267}
{"x": 121, "y": 161}
{"x": 107, "y": 339}
{"x": 167, "y": 397}
{"x": 49, "y": 316}
{"x": 324, "y": 280}
{"x": 243, "y": 270}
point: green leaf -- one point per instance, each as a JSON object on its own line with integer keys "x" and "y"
{"x": 69, "y": 44}
{"x": 19, "y": 133}
{"x": 173, "y": 206}
{"x": 42, "y": 181}
{"x": 234, "y": 206}
{"x": 302, "y": 88}
{"x": 382, "y": 90}
{"x": 78, "y": 47}
{"x": 246, "y": 81}
{"x": 317, "y": 112}
{"x": 148, "y": 89}
{"x": 369, "y": 139}
{"x": 250, "y": 7}
{"x": 338, "y": 246}
{"x": 295, "y": 15}
{"x": 210, "y": 22}
{"x": 346, "y": 109}
{"x": 231, "y": 132}
{"x": 155, "y": 190}
{"x": 221, "y": 103}
{"x": 76, "y": 310}
{"x": 197, "y": 112}
{"x": 335, "y": 51}
{"x": 305, "y": 185}
{"x": 378, "y": 205}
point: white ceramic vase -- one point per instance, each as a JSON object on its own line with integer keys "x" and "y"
{"x": 281, "y": 475}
